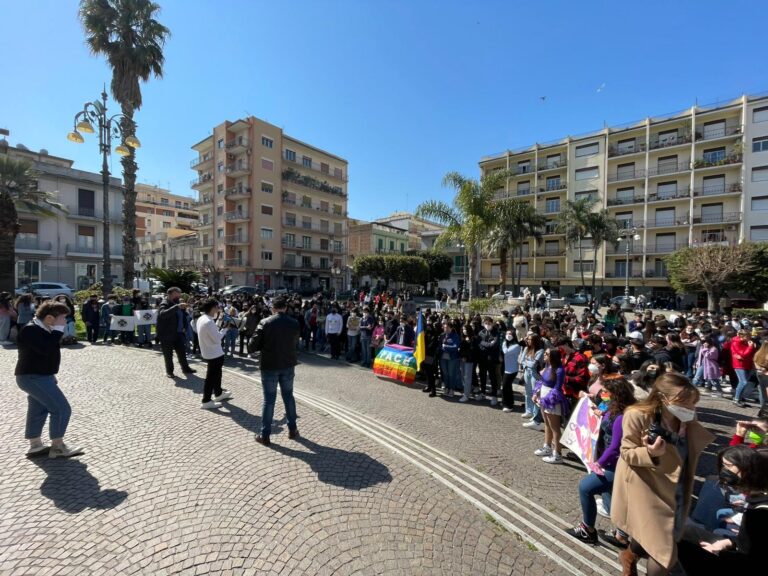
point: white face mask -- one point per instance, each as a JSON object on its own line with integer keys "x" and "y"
{"x": 510, "y": 338}
{"x": 59, "y": 327}
{"x": 488, "y": 326}
{"x": 594, "y": 370}
{"x": 681, "y": 413}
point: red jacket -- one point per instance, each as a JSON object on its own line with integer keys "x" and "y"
{"x": 576, "y": 374}
{"x": 742, "y": 354}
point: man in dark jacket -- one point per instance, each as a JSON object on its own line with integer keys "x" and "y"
{"x": 277, "y": 338}
{"x": 171, "y": 331}
{"x": 91, "y": 314}
{"x": 490, "y": 357}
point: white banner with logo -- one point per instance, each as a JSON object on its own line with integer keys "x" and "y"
{"x": 144, "y": 317}
{"x": 123, "y": 323}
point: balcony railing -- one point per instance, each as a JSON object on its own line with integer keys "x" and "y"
{"x": 717, "y": 218}
{"x": 31, "y": 244}
{"x": 195, "y": 162}
{"x": 684, "y": 192}
{"x": 236, "y": 239}
{"x": 305, "y": 265}
{"x": 548, "y": 252}
{"x": 237, "y": 143}
{"x": 236, "y": 215}
{"x": 181, "y": 263}
{"x": 549, "y": 274}
{"x": 554, "y": 187}
{"x": 669, "y": 168}
{"x": 667, "y": 221}
{"x": 235, "y": 262}
{"x": 93, "y": 250}
{"x": 202, "y": 224}
{"x": 626, "y": 149}
{"x": 291, "y": 175}
{"x": 521, "y": 170}
{"x": 237, "y": 169}
{"x": 717, "y": 189}
{"x": 202, "y": 180}
{"x": 524, "y": 191}
{"x": 722, "y": 132}
{"x": 657, "y": 143}
{"x": 665, "y": 247}
{"x": 304, "y": 226}
{"x": 634, "y": 248}
{"x": 636, "y": 174}
{"x": 623, "y": 201}
{"x": 725, "y": 161}
{"x": 552, "y": 164}
{"x": 314, "y": 166}
{"x": 237, "y": 192}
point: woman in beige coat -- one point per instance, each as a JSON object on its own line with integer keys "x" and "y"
{"x": 654, "y": 477}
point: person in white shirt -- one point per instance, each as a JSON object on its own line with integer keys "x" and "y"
{"x": 510, "y": 348}
{"x": 334, "y": 324}
{"x": 210, "y": 336}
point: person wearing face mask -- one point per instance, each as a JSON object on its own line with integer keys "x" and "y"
{"x": 747, "y": 470}
{"x": 36, "y": 369}
{"x": 510, "y": 349}
{"x": 125, "y": 308}
{"x": 333, "y": 326}
{"x": 690, "y": 341}
{"x": 660, "y": 449}
{"x": 743, "y": 352}
{"x": 404, "y": 335}
{"x": 171, "y": 331}
{"x": 489, "y": 359}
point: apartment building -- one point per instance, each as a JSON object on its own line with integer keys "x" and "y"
{"x": 689, "y": 178}
{"x": 157, "y": 210}
{"x": 415, "y": 227}
{"x": 273, "y": 209}
{"x": 67, "y": 247}
{"x": 376, "y": 238}
{"x": 168, "y": 249}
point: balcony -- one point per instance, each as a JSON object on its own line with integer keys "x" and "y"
{"x": 545, "y": 165}
{"x": 667, "y": 222}
{"x": 204, "y": 223}
{"x": 625, "y": 201}
{"x": 554, "y": 187}
{"x": 549, "y": 274}
{"x": 667, "y": 142}
{"x": 239, "y": 144}
{"x": 202, "y": 181}
{"x": 293, "y": 265}
{"x": 665, "y": 247}
{"x": 81, "y": 213}
{"x": 634, "y": 248}
{"x": 524, "y": 191}
{"x": 295, "y": 177}
{"x": 718, "y": 218}
{"x": 31, "y": 244}
{"x": 205, "y": 244}
{"x": 315, "y": 167}
{"x": 238, "y": 169}
{"x": 234, "y": 262}
{"x": 666, "y": 196}
{"x": 181, "y": 263}
{"x": 727, "y": 131}
{"x": 626, "y": 175}
{"x": 237, "y": 192}
{"x": 627, "y": 148}
{"x": 547, "y": 252}
{"x": 201, "y": 161}
{"x": 236, "y": 216}
{"x": 234, "y": 239}
{"x": 706, "y": 162}
{"x": 718, "y": 189}
{"x": 664, "y": 169}
{"x": 94, "y": 251}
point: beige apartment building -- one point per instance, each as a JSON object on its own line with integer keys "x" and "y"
{"x": 157, "y": 210}
{"x": 684, "y": 179}
{"x": 273, "y": 209}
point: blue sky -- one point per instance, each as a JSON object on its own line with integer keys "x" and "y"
{"x": 405, "y": 90}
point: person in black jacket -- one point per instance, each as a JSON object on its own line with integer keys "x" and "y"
{"x": 431, "y": 351}
{"x": 36, "y": 369}
{"x": 490, "y": 357}
{"x": 277, "y": 338}
{"x": 171, "y": 331}
{"x": 91, "y": 314}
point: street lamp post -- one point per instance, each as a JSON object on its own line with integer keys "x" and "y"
{"x": 463, "y": 270}
{"x": 628, "y": 234}
{"x": 109, "y": 128}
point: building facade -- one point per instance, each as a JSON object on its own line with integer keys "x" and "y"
{"x": 685, "y": 179}
{"x": 172, "y": 248}
{"x": 67, "y": 247}
{"x": 157, "y": 210}
{"x": 376, "y": 238}
{"x": 273, "y": 209}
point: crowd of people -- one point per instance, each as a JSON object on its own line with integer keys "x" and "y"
{"x": 643, "y": 375}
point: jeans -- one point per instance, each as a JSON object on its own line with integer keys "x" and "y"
{"x": 529, "y": 378}
{"x": 352, "y": 347}
{"x": 213, "y": 378}
{"x": 230, "y": 340}
{"x": 698, "y": 376}
{"x": 44, "y": 397}
{"x": 145, "y": 334}
{"x": 180, "y": 347}
{"x": 690, "y": 360}
{"x": 744, "y": 377}
{"x": 365, "y": 348}
{"x": 591, "y": 485}
{"x": 467, "y": 369}
{"x": 712, "y": 497}
{"x": 269, "y": 382}
{"x": 451, "y": 376}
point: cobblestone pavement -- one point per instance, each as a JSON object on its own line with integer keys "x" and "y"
{"x": 383, "y": 481}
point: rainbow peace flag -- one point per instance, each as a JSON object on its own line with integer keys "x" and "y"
{"x": 396, "y": 362}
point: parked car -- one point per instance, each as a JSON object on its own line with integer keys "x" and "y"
{"x": 745, "y": 303}
{"x": 577, "y": 299}
{"x": 250, "y": 290}
{"x": 276, "y": 292}
{"x": 620, "y": 300}
{"x": 229, "y": 289}
{"x": 503, "y": 295}
{"x": 46, "y": 289}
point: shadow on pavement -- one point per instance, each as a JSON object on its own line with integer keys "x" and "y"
{"x": 349, "y": 470}
{"x": 246, "y": 420}
{"x": 72, "y": 488}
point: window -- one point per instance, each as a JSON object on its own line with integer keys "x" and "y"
{"x": 337, "y": 209}
{"x": 338, "y": 173}
{"x": 219, "y": 210}
{"x": 552, "y": 205}
{"x": 27, "y": 229}
{"x": 337, "y": 228}
{"x": 289, "y": 240}
{"x": 86, "y": 237}
{"x": 290, "y": 155}
{"x": 760, "y": 144}
{"x": 758, "y": 233}
{"x": 625, "y": 195}
{"x": 587, "y": 149}
{"x": 306, "y": 202}
{"x": 168, "y": 213}
{"x": 524, "y": 167}
{"x": 665, "y": 242}
{"x": 712, "y": 213}
{"x": 324, "y": 226}
{"x": 220, "y": 254}
{"x": 667, "y": 164}
{"x": 164, "y": 201}
{"x": 290, "y": 260}
{"x": 553, "y": 183}
{"x": 267, "y": 164}
{"x": 625, "y": 171}
{"x": 587, "y": 244}
{"x": 666, "y": 190}
{"x": 760, "y": 203}
{"x": 219, "y": 189}
{"x": 220, "y": 167}
{"x": 325, "y": 244}
{"x": 289, "y": 198}
{"x": 715, "y": 129}
{"x": 324, "y": 206}
{"x": 86, "y": 202}
{"x": 592, "y": 194}
{"x": 267, "y": 143}
{"x": 324, "y": 263}
{"x": 266, "y": 233}
{"x": 306, "y": 222}
{"x": 659, "y": 268}
{"x": 266, "y": 255}
{"x": 583, "y": 265}
{"x": 220, "y": 143}
{"x": 267, "y": 210}
{"x": 760, "y": 115}
{"x": 522, "y": 270}
{"x": 306, "y": 262}
{"x": 306, "y": 161}
{"x": 587, "y": 173}
{"x": 205, "y": 257}
{"x": 713, "y": 185}
{"x": 760, "y": 174}
{"x": 551, "y": 270}
{"x": 337, "y": 247}
{"x": 178, "y": 204}
{"x": 220, "y": 233}
{"x": 380, "y": 244}
{"x": 85, "y": 275}
{"x": 622, "y": 268}
{"x": 402, "y": 248}
{"x": 714, "y": 155}
{"x": 626, "y": 146}
{"x": 324, "y": 168}
{"x": 166, "y": 225}
{"x": 667, "y": 137}
{"x": 553, "y": 161}
{"x": 665, "y": 216}
{"x": 551, "y": 248}
{"x": 27, "y": 271}
{"x": 266, "y": 188}
{"x": 306, "y": 242}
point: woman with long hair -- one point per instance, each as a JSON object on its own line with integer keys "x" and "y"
{"x": 531, "y": 359}
{"x": 554, "y": 406}
{"x": 660, "y": 448}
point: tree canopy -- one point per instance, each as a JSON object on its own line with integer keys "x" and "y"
{"x": 408, "y": 269}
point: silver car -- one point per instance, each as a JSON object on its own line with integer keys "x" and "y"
{"x": 46, "y": 289}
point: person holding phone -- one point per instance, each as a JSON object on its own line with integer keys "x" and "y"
{"x": 660, "y": 449}
{"x": 171, "y": 331}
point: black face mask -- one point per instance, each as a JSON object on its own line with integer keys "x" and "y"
{"x": 176, "y": 300}
{"x": 728, "y": 478}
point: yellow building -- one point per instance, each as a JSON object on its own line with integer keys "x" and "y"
{"x": 687, "y": 178}
{"x": 157, "y": 210}
{"x": 273, "y": 209}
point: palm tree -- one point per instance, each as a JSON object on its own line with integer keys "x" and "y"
{"x": 18, "y": 191}
{"x": 573, "y": 221}
{"x": 470, "y": 218}
{"x": 604, "y": 228}
{"x": 128, "y": 35}
{"x": 529, "y": 225}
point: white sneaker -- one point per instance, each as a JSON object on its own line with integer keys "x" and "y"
{"x": 553, "y": 458}
{"x": 494, "y": 401}
{"x": 225, "y": 395}
{"x": 532, "y": 425}
{"x": 526, "y": 415}
{"x": 543, "y": 451}
{"x": 463, "y": 399}
{"x": 210, "y": 405}
{"x": 507, "y": 410}
{"x": 38, "y": 450}
{"x": 64, "y": 451}
{"x": 601, "y": 508}
{"x": 479, "y": 396}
